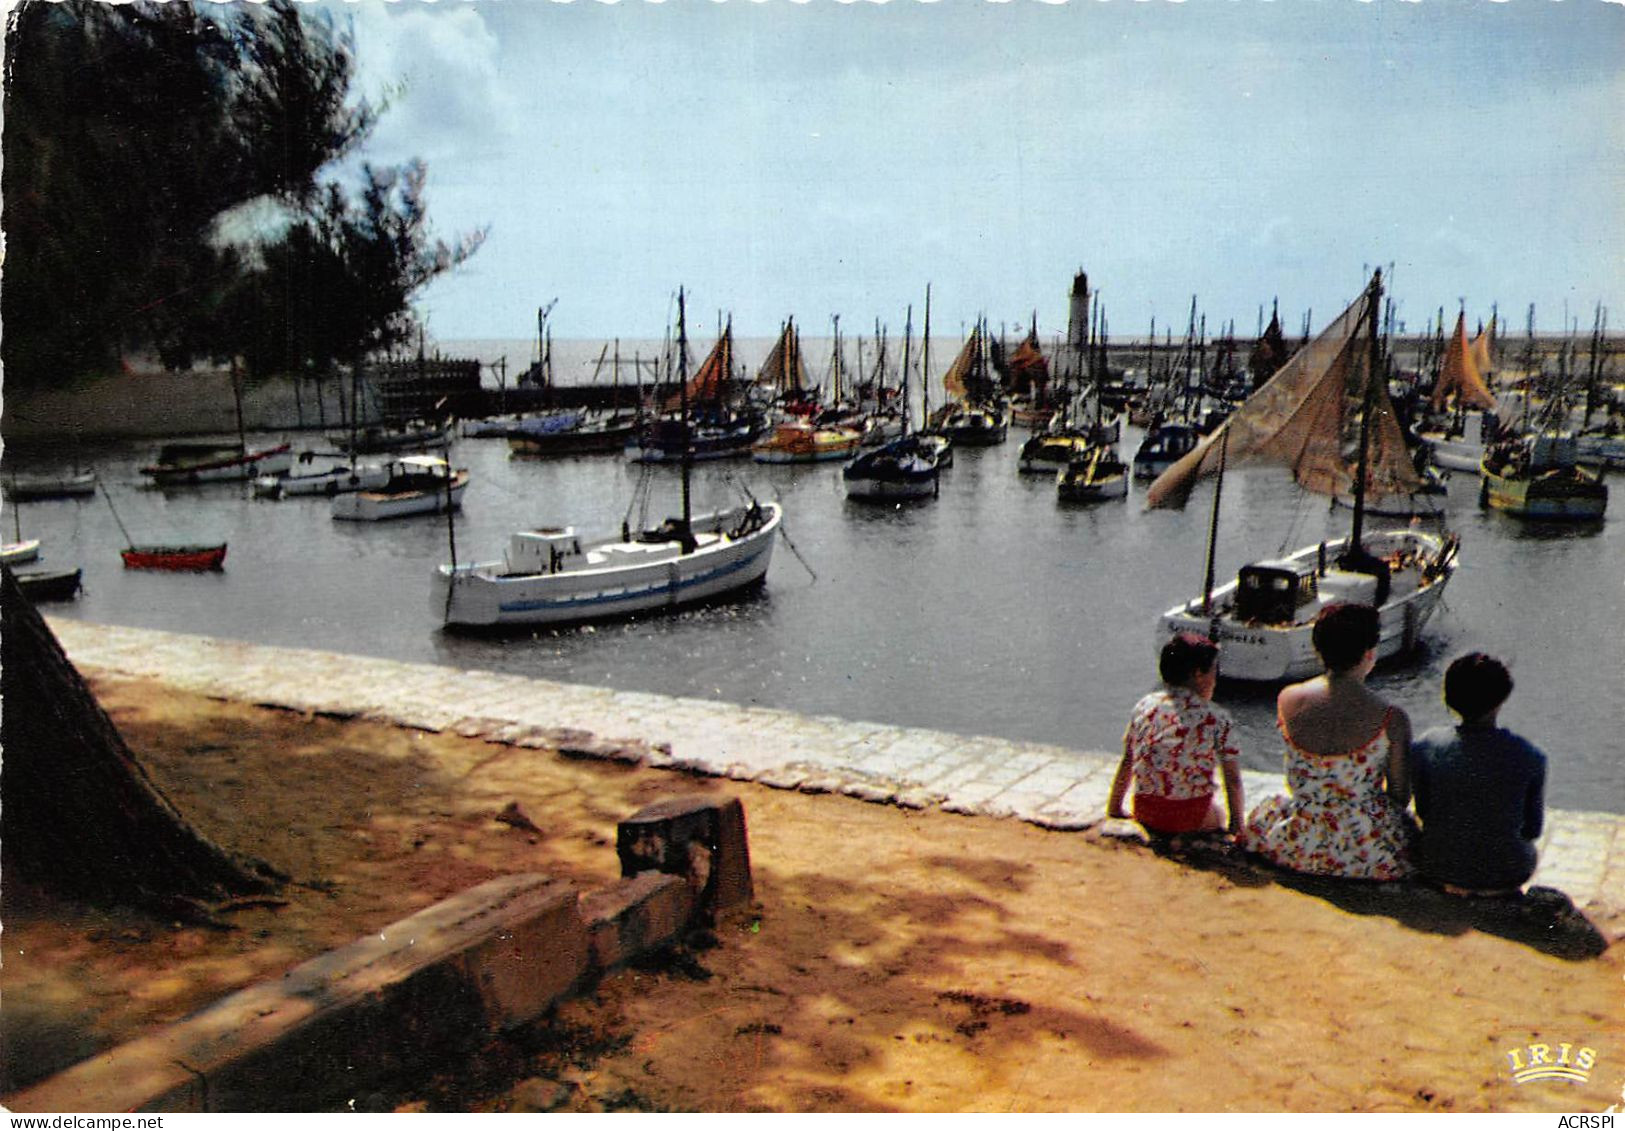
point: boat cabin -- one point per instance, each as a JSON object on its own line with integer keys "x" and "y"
{"x": 1272, "y": 592}
{"x": 542, "y": 551}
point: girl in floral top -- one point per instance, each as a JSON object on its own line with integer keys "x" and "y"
{"x": 1176, "y": 744}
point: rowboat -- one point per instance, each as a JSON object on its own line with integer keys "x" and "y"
{"x": 49, "y": 584}
{"x": 14, "y": 553}
{"x": 1091, "y": 478}
{"x": 188, "y": 559}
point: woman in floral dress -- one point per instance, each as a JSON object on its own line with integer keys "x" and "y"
{"x": 1346, "y": 754}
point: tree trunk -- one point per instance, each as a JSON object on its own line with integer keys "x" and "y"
{"x": 78, "y": 814}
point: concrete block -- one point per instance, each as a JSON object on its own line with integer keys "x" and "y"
{"x": 638, "y": 914}
{"x": 701, "y": 838}
{"x": 423, "y": 991}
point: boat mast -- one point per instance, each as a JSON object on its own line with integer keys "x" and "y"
{"x": 1213, "y": 526}
{"x": 1373, "y": 375}
{"x": 925, "y": 364}
{"x": 908, "y": 337}
{"x": 686, "y": 534}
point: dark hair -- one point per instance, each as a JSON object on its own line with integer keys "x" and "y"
{"x": 1476, "y": 684}
{"x": 1185, "y": 655}
{"x": 1343, "y": 634}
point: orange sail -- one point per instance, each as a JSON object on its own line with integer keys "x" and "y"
{"x": 1307, "y": 418}
{"x": 710, "y": 381}
{"x": 1460, "y": 376}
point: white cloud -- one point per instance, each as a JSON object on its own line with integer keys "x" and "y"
{"x": 438, "y": 69}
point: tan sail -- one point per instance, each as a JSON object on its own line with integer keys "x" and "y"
{"x": 784, "y": 369}
{"x": 1460, "y": 376}
{"x": 954, "y": 381}
{"x": 1480, "y": 349}
{"x": 1307, "y": 418}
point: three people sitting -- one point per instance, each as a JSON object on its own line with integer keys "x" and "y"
{"x": 1351, "y": 769}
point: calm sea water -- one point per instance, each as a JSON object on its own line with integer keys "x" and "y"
{"x": 990, "y": 610}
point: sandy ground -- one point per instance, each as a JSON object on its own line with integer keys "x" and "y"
{"x": 895, "y": 960}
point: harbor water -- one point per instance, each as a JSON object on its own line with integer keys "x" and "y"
{"x": 992, "y": 609}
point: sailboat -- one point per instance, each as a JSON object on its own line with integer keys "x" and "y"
{"x": 551, "y": 576}
{"x": 802, "y": 434}
{"x": 1100, "y": 474}
{"x": 1303, "y": 418}
{"x": 1463, "y": 405}
{"x": 908, "y": 467}
{"x": 710, "y": 426}
{"x": 188, "y": 463}
{"x": 975, "y": 415}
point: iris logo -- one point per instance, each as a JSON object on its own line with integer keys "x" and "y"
{"x": 1541, "y": 1062}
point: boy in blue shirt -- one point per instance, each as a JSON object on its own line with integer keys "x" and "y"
{"x": 1479, "y": 788}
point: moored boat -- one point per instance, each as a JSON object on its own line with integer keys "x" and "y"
{"x": 1164, "y": 445}
{"x": 1540, "y": 477}
{"x": 46, "y": 486}
{"x": 49, "y": 584}
{"x": 1326, "y": 415}
{"x": 181, "y": 558}
{"x": 336, "y": 479}
{"x": 22, "y": 550}
{"x": 550, "y": 576}
{"x": 907, "y": 468}
{"x": 1091, "y": 478}
{"x": 187, "y": 463}
{"x": 801, "y": 441}
{"x": 417, "y": 484}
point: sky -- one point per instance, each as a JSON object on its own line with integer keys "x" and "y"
{"x": 780, "y": 158}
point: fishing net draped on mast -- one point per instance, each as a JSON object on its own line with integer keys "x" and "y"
{"x": 1306, "y": 418}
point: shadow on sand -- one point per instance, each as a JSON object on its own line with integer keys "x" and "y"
{"x": 1542, "y": 918}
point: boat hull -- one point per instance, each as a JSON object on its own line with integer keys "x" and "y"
{"x": 25, "y": 487}
{"x": 1277, "y": 653}
{"x": 222, "y": 468}
{"x": 14, "y": 553}
{"x": 379, "y": 505}
{"x": 483, "y": 595}
{"x": 182, "y": 559}
{"x": 49, "y": 585}
{"x": 1575, "y": 495}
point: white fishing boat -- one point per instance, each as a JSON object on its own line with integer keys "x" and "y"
{"x": 415, "y": 485}
{"x": 1329, "y": 400}
{"x": 549, "y": 576}
{"x": 335, "y": 479}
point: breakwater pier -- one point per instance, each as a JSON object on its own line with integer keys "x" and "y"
{"x": 1581, "y": 853}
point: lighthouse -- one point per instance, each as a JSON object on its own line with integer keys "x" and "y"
{"x": 1077, "y": 321}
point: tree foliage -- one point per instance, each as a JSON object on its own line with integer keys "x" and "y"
{"x": 139, "y": 136}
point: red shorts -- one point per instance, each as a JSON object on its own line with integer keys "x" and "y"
{"x": 1172, "y": 815}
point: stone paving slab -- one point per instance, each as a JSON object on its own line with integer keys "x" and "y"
{"x": 1581, "y": 853}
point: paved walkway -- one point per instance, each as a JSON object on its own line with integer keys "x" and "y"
{"x": 1582, "y": 853}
